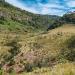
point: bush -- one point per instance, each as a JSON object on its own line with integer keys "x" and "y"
{"x": 68, "y": 52}
{"x": 28, "y": 67}
{"x": 15, "y": 47}
{"x": 1, "y": 72}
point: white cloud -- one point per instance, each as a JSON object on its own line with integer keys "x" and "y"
{"x": 52, "y": 9}
{"x": 71, "y": 3}
{"x": 57, "y": 7}
{"x": 20, "y": 5}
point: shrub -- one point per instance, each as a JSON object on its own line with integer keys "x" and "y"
{"x": 15, "y": 47}
{"x": 68, "y": 52}
{"x": 28, "y": 67}
{"x": 1, "y": 72}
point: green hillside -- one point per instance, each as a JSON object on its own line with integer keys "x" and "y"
{"x": 34, "y": 44}
{"x": 14, "y": 19}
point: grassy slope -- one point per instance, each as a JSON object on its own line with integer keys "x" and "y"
{"x": 52, "y": 43}
{"x": 33, "y": 50}
{"x": 60, "y": 69}
{"x": 48, "y": 45}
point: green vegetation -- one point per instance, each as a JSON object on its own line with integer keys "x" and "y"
{"x": 69, "y": 18}
{"x": 32, "y": 44}
{"x": 14, "y": 19}
{"x": 68, "y": 52}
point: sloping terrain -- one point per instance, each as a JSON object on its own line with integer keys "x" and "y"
{"x": 33, "y": 44}
{"x": 43, "y": 50}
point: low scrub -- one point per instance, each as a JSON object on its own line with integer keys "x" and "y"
{"x": 68, "y": 52}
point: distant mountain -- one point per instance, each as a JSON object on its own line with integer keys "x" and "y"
{"x": 69, "y": 17}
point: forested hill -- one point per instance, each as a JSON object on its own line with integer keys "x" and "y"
{"x": 17, "y": 20}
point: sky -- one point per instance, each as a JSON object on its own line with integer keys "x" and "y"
{"x": 50, "y": 7}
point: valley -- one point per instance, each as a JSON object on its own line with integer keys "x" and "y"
{"x": 34, "y": 44}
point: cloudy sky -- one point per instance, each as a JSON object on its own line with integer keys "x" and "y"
{"x": 50, "y": 7}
